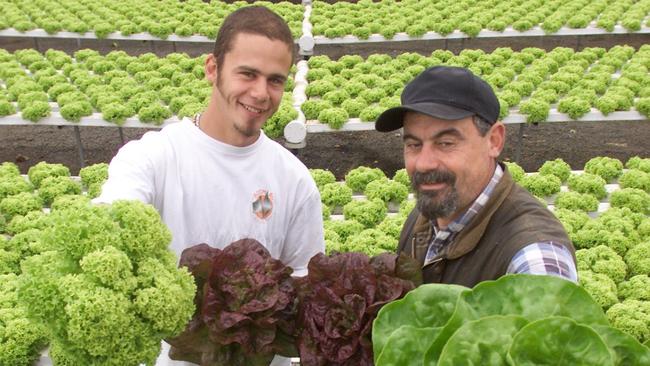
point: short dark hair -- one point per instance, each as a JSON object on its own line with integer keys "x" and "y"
{"x": 482, "y": 125}
{"x": 252, "y": 20}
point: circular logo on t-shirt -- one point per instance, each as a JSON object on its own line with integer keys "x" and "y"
{"x": 262, "y": 204}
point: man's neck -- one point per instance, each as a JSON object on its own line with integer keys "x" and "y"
{"x": 443, "y": 222}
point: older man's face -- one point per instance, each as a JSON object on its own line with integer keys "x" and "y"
{"x": 449, "y": 162}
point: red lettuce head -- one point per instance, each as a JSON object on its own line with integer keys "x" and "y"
{"x": 340, "y": 298}
{"x": 246, "y": 307}
{"x": 249, "y": 298}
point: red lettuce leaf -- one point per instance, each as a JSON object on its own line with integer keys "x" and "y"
{"x": 198, "y": 259}
{"x": 246, "y": 306}
{"x": 249, "y": 298}
{"x": 339, "y": 299}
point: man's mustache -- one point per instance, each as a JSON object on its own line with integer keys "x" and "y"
{"x": 433, "y": 177}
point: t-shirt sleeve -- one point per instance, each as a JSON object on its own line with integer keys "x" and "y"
{"x": 131, "y": 175}
{"x": 305, "y": 236}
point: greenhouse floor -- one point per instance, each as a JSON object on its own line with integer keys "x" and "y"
{"x": 575, "y": 142}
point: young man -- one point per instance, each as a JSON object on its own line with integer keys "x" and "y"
{"x": 471, "y": 222}
{"x": 219, "y": 179}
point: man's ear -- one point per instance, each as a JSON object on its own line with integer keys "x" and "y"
{"x": 211, "y": 68}
{"x": 497, "y": 138}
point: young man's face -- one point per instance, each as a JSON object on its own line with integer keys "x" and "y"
{"x": 449, "y": 162}
{"x": 248, "y": 86}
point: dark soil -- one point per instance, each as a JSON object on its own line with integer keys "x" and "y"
{"x": 575, "y": 142}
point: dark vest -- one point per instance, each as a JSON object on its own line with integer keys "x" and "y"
{"x": 511, "y": 219}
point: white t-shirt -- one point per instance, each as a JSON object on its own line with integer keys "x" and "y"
{"x": 210, "y": 192}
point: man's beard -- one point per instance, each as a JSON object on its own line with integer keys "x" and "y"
{"x": 430, "y": 203}
{"x": 248, "y": 131}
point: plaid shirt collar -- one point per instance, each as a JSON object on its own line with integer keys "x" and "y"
{"x": 445, "y": 236}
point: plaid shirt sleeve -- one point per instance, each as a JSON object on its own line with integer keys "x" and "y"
{"x": 545, "y": 258}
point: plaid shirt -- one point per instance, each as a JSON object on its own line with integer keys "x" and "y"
{"x": 546, "y": 258}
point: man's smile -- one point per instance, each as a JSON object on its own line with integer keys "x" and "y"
{"x": 252, "y": 109}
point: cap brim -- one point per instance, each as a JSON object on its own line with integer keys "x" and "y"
{"x": 393, "y": 119}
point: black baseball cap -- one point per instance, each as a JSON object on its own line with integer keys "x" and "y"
{"x": 444, "y": 92}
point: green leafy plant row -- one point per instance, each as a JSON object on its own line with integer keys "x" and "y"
{"x": 367, "y": 225}
{"x": 529, "y": 81}
{"x": 415, "y": 18}
{"x": 158, "y": 18}
{"x": 117, "y": 85}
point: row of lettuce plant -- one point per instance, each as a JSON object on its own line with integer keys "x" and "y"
{"x": 361, "y": 19}
{"x": 416, "y": 18}
{"x": 117, "y": 85}
{"x": 158, "y": 18}
{"x": 366, "y": 224}
{"x": 121, "y": 86}
{"x": 529, "y": 81}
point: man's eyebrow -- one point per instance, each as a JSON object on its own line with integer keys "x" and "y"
{"x": 451, "y": 131}
{"x": 408, "y": 136}
{"x": 256, "y": 71}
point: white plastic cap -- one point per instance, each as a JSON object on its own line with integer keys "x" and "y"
{"x": 306, "y": 44}
{"x": 295, "y": 132}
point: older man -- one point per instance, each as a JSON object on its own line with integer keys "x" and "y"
{"x": 472, "y": 222}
